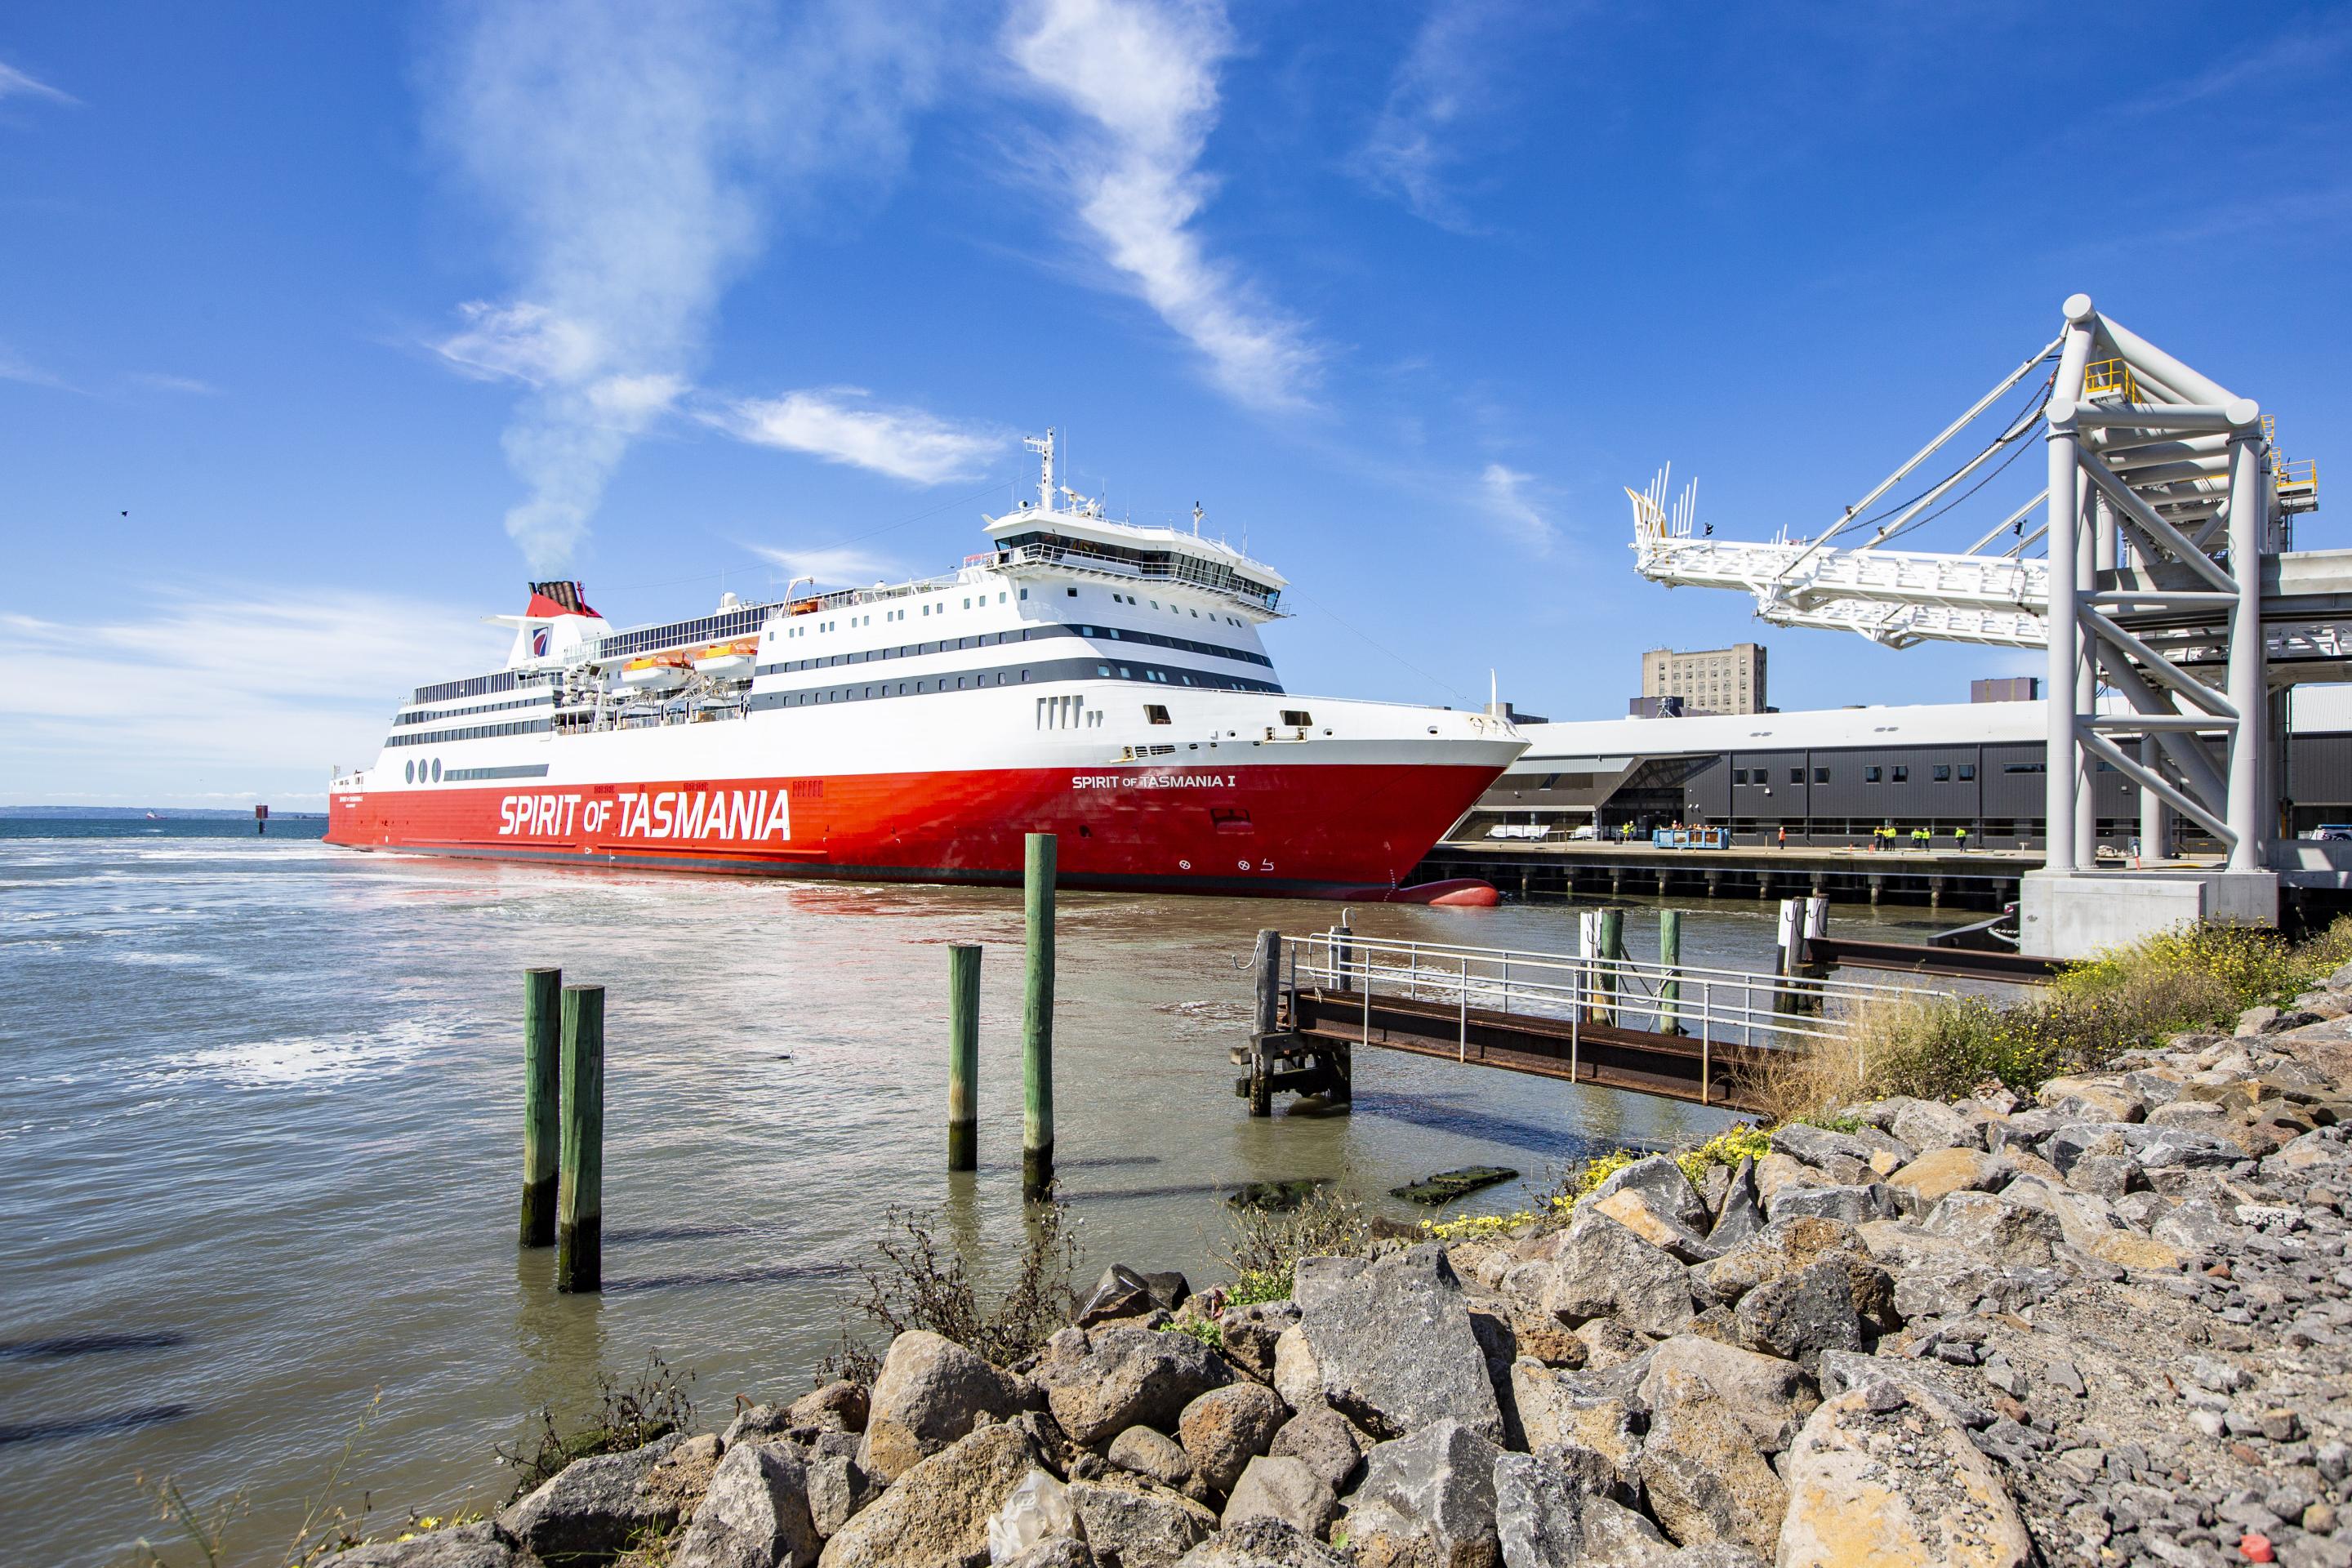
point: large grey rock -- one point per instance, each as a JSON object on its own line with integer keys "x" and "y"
{"x": 1227, "y": 1427}
{"x": 1250, "y": 1334}
{"x": 482, "y": 1546}
{"x": 1544, "y": 1518}
{"x": 1297, "y": 1380}
{"x": 1393, "y": 1346}
{"x": 1056, "y": 1552}
{"x": 1785, "y": 1248}
{"x": 838, "y": 1487}
{"x": 1282, "y": 1489}
{"x": 939, "y": 1511}
{"x": 1926, "y": 1125}
{"x": 1142, "y": 1525}
{"x": 1997, "y": 1230}
{"x": 2196, "y": 1225}
{"x": 1153, "y": 1455}
{"x": 1855, "y": 1204}
{"x": 1800, "y": 1315}
{"x": 1660, "y": 1180}
{"x": 1603, "y": 1413}
{"x": 1740, "y": 1213}
{"x": 1262, "y": 1543}
{"x": 928, "y": 1393}
{"x": 1427, "y": 1500}
{"x": 1884, "y": 1474}
{"x": 1605, "y": 1270}
{"x": 1718, "y": 1413}
{"x": 1128, "y": 1377}
{"x": 756, "y": 1514}
{"x": 593, "y": 1508}
{"x": 1820, "y": 1147}
{"x": 1327, "y": 1441}
{"x": 840, "y": 1405}
{"x": 1713, "y": 1554}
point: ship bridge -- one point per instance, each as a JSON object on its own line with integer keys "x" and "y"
{"x": 2154, "y": 562}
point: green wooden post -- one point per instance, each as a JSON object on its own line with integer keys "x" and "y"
{"x": 1669, "y": 957}
{"x": 542, "y": 1101}
{"x": 579, "y": 1192}
{"x": 1613, "y": 945}
{"x": 963, "y": 1057}
{"x": 1038, "y": 1019}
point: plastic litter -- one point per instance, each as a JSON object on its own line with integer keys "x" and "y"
{"x": 1038, "y": 1509}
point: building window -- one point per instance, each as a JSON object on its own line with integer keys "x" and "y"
{"x": 2023, "y": 768}
{"x": 1943, "y": 773}
{"x": 1820, "y": 775}
{"x": 1968, "y": 772}
{"x": 1796, "y": 775}
{"x": 1739, "y": 775}
{"x": 1870, "y": 775}
{"x": 1902, "y": 773}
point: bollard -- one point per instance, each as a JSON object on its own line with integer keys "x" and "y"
{"x": 1670, "y": 958}
{"x": 1267, "y": 1022}
{"x": 1038, "y": 1019}
{"x": 1613, "y": 946}
{"x": 963, "y": 1057}
{"x": 542, "y": 1101}
{"x": 579, "y": 1193}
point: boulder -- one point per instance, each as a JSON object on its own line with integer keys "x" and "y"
{"x": 1315, "y": 1279}
{"x": 1822, "y": 1149}
{"x": 481, "y": 1545}
{"x": 1128, "y": 1377}
{"x": 1941, "y": 1172}
{"x": 1297, "y": 1380}
{"x": 1284, "y": 1489}
{"x": 1787, "y": 1246}
{"x": 1798, "y": 1315}
{"x": 682, "y": 1478}
{"x": 1154, "y": 1455}
{"x": 1713, "y": 1554}
{"x": 1926, "y": 1125}
{"x": 1249, "y": 1333}
{"x": 1427, "y": 1500}
{"x": 838, "y": 1406}
{"x": 937, "y": 1511}
{"x": 1608, "y": 1344}
{"x": 1883, "y": 1474}
{"x": 929, "y": 1393}
{"x": 1060, "y": 1551}
{"x": 1716, "y": 1414}
{"x": 2196, "y": 1225}
{"x": 1997, "y": 1230}
{"x": 1326, "y": 1441}
{"x": 1638, "y": 1212}
{"x": 1569, "y": 1410}
{"x": 1393, "y": 1346}
{"x": 2104, "y": 1097}
{"x": 1605, "y": 1270}
{"x": 1776, "y": 1174}
{"x": 1227, "y": 1427}
{"x": 1855, "y": 1203}
{"x": 838, "y": 1487}
{"x": 1740, "y": 1213}
{"x": 1660, "y": 1180}
{"x": 1262, "y": 1543}
{"x": 756, "y": 1514}
{"x": 594, "y": 1507}
{"x": 1545, "y": 1519}
{"x": 1142, "y": 1525}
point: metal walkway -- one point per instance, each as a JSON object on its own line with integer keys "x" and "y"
{"x": 1690, "y": 1033}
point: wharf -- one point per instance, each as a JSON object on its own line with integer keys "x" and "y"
{"x": 1974, "y": 879}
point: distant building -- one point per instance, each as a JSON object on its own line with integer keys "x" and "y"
{"x": 1653, "y": 708}
{"x": 2006, "y": 688}
{"x": 1499, "y": 708}
{"x": 1711, "y": 680}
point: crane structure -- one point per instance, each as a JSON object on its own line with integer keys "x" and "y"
{"x": 2154, "y": 565}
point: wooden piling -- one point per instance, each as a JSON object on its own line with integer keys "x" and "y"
{"x": 580, "y": 1190}
{"x": 1670, "y": 958}
{"x": 1267, "y": 1021}
{"x": 1612, "y": 925}
{"x": 1038, "y": 1019}
{"x": 542, "y": 1101}
{"x": 963, "y": 1057}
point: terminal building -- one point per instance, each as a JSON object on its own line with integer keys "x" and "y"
{"x": 1830, "y": 777}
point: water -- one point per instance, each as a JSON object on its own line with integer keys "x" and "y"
{"x": 259, "y": 1108}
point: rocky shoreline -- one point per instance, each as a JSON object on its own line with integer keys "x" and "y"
{"x": 2112, "y": 1326}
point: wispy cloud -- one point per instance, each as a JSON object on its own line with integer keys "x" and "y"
{"x": 839, "y": 427}
{"x": 229, "y": 689}
{"x": 1143, "y": 74}
{"x": 1450, "y": 78}
{"x": 632, "y": 153}
{"x": 836, "y": 564}
{"x": 155, "y": 381}
{"x": 15, "y": 367}
{"x": 14, "y": 83}
{"x": 1503, "y": 496}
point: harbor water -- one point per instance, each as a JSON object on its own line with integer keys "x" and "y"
{"x": 260, "y": 1143}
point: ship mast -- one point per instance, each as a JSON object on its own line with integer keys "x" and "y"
{"x": 1043, "y": 446}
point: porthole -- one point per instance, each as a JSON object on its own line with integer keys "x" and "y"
{"x": 411, "y": 770}
{"x": 436, "y": 770}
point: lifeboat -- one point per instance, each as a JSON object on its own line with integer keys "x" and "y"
{"x": 658, "y": 673}
{"x": 729, "y": 661}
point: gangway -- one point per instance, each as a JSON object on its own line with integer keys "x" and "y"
{"x": 1693, "y": 1033}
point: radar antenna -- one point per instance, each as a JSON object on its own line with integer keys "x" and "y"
{"x": 1043, "y": 446}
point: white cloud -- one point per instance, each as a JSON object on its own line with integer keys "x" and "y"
{"x": 904, "y": 443}
{"x": 14, "y": 83}
{"x": 155, "y": 381}
{"x": 1144, "y": 72}
{"x": 237, "y": 690}
{"x": 837, "y": 566}
{"x": 1447, "y": 80}
{"x": 629, "y": 151}
{"x": 15, "y": 367}
{"x": 1502, "y": 494}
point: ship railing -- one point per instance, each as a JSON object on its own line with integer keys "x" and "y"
{"x": 1205, "y": 575}
{"x": 1713, "y": 1005}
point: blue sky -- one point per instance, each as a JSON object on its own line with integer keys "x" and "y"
{"x": 320, "y": 327}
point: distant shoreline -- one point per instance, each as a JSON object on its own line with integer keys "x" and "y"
{"x": 143, "y": 812}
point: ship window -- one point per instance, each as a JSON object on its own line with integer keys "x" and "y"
{"x": 1024, "y": 593}
{"x": 1125, "y": 674}
{"x": 1000, "y": 598}
{"x": 967, "y": 604}
{"x": 1968, "y": 772}
{"x": 1154, "y": 714}
{"x": 1073, "y": 593}
{"x": 1102, "y": 669}
{"x": 436, "y": 770}
{"x": 959, "y": 684}
{"x": 1943, "y": 774}
{"x": 412, "y": 772}
{"x": 1298, "y": 717}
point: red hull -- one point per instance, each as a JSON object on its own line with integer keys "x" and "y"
{"x": 1267, "y": 829}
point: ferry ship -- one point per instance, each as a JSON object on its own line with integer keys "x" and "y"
{"x": 1084, "y": 677}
